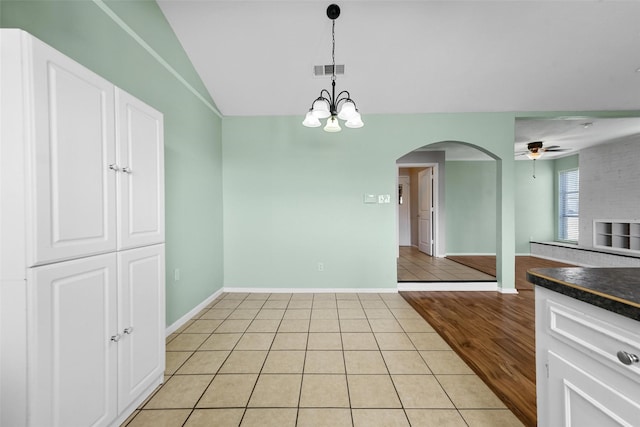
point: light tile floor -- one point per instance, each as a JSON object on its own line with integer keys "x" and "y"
{"x": 415, "y": 266}
{"x": 316, "y": 360}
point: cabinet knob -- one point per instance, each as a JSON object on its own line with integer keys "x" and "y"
{"x": 627, "y": 358}
{"x": 128, "y": 330}
{"x": 126, "y": 169}
{"x": 116, "y": 337}
{"x": 114, "y": 167}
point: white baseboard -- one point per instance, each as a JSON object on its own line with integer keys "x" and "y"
{"x": 448, "y": 286}
{"x": 508, "y": 290}
{"x": 312, "y": 290}
{"x": 471, "y": 254}
{"x": 184, "y": 319}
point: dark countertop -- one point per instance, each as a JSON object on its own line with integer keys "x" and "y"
{"x": 614, "y": 289}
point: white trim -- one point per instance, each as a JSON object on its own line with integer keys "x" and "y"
{"x": 127, "y": 29}
{"x": 188, "y": 316}
{"x": 312, "y": 290}
{"x": 508, "y": 290}
{"x": 448, "y": 286}
{"x": 565, "y": 261}
{"x": 471, "y": 254}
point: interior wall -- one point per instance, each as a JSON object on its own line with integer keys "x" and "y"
{"x": 294, "y": 197}
{"x": 471, "y": 210}
{"x": 193, "y": 160}
{"x": 609, "y": 185}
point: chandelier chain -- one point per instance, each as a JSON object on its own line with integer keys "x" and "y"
{"x": 333, "y": 51}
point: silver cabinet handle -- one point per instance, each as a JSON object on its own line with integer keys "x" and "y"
{"x": 126, "y": 169}
{"x": 627, "y": 358}
{"x": 114, "y": 167}
{"x": 128, "y": 330}
{"x": 116, "y": 337}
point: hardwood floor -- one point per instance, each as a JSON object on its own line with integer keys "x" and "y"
{"x": 494, "y": 333}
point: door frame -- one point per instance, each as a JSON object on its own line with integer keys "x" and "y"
{"x": 436, "y": 205}
{"x": 406, "y": 199}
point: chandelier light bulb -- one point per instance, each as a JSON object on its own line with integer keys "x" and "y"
{"x": 321, "y": 109}
{"x": 355, "y": 121}
{"x": 347, "y": 111}
{"x": 332, "y": 125}
{"x": 311, "y": 121}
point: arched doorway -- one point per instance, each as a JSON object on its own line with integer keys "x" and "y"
{"x": 459, "y": 213}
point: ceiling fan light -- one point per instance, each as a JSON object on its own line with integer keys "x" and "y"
{"x": 347, "y": 111}
{"x": 355, "y": 122}
{"x": 533, "y": 155}
{"x": 311, "y": 121}
{"x": 320, "y": 109}
{"x": 332, "y": 125}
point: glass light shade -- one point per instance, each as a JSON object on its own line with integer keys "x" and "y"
{"x": 347, "y": 111}
{"x": 332, "y": 125}
{"x": 355, "y": 121}
{"x": 321, "y": 109}
{"x": 535, "y": 155}
{"x": 311, "y": 121}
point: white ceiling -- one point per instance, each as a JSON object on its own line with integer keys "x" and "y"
{"x": 421, "y": 56}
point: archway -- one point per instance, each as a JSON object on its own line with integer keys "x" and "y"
{"x": 465, "y": 215}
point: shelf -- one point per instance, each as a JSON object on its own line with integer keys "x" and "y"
{"x": 617, "y": 234}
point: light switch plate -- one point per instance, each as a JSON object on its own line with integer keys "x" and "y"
{"x": 370, "y": 198}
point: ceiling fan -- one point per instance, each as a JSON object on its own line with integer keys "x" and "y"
{"x": 535, "y": 150}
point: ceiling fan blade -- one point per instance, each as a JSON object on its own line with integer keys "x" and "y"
{"x": 556, "y": 149}
{"x": 551, "y": 147}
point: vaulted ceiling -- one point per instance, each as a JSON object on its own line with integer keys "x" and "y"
{"x": 256, "y": 57}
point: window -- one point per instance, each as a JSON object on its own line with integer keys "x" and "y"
{"x": 569, "y": 205}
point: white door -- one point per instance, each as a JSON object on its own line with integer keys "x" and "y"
{"x": 404, "y": 217}
{"x": 73, "y": 209}
{"x": 140, "y": 153}
{"x": 425, "y": 211}
{"x": 141, "y": 317}
{"x": 72, "y": 318}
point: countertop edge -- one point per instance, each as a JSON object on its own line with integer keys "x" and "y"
{"x": 605, "y": 301}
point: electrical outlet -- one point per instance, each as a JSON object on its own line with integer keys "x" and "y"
{"x": 321, "y": 266}
{"x": 176, "y": 274}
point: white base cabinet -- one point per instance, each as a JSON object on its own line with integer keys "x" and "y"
{"x": 82, "y": 270}
{"x": 580, "y": 380}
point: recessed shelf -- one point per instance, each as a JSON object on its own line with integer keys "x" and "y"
{"x": 617, "y": 234}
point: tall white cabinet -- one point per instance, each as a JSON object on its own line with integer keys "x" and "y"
{"x": 81, "y": 242}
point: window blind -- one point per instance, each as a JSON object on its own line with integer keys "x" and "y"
{"x": 569, "y": 206}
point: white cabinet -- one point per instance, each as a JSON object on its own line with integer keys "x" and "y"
{"x": 82, "y": 310}
{"x": 73, "y": 129}
{"x": 580, "y": 380}
{"x": 140, "y": 159}
{"x": 140, "y": 321}
{"x": 72, "y": 314}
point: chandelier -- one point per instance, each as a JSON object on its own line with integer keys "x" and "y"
{"x": 328, "y": 105}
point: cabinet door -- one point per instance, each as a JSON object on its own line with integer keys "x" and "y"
{"x": 72, "y": 211}
{"x": 140, "y": 152}
{"x": 72, "y": 359}
{"x": 577, "y": 398}
{"x": 141, "y": 321}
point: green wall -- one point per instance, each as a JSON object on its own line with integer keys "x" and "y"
{"x": 471, "y": 197}
{"x": 99, "y": 36}
{"x": 293, "y": 196}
